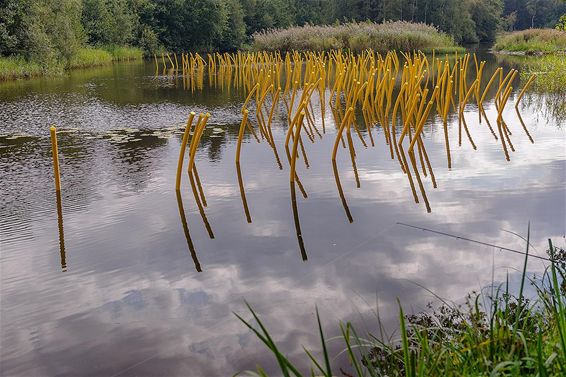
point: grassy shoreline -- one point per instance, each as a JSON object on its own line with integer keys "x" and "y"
{"x": 531, "y": 42}
{"x": 398, "y": 35}
{"x": 16, "y": 67}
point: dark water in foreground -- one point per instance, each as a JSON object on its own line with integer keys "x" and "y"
{"x": 130, "y": 280}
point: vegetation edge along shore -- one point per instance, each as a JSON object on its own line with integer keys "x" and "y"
{"x": 17, "y": 67}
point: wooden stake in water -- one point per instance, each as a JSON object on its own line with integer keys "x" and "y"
{"x": 55, "y": 153}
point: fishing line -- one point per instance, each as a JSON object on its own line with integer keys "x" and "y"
{"x": 475, "y": 241}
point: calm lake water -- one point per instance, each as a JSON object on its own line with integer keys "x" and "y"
{"x": 126, "y": 278}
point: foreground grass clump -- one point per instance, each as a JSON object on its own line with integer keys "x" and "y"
{"x": 511, "y": 336}
{"x": 13, "y": 67}
{"x": 532, "y": 41}
{"x": 398, "y": 35}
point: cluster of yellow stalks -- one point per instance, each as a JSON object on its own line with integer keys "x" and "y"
{"x": 397, "y": 92}
{"x": 196, "y": 131}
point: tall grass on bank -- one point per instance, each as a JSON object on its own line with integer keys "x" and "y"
{"x": 532, "y": 41}
{"x": 90, "y": 57}
{"x": 398, "y": 35}
{"x": 122, "y": 53}
{"x": 512, "y": 336}
{"x": 13, "y": 67}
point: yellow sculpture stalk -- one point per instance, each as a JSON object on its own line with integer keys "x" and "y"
{"x": 55, "y": 154}
{"x": 182, "y": 151}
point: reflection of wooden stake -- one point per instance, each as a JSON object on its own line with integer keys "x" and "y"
{"x": 61, "y": 234}
{"x": 55, "y": 153}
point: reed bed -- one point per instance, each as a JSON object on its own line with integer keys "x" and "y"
{"x": 357, "y": 37}
{"x": 512, "y": 335}
{"x": 532, "y": 41}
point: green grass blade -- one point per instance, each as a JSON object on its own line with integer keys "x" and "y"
{"x": 346, "y": 335}
{"x": 316, "y": 363}
{"x": 560, "y": 314}
{"x": 405, "y": 342}
{"x": 324, "y": 350}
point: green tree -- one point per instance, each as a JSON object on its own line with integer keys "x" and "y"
{"x": 267, "y": 14}
{"x": 235, "y": 33}
{"x": 487, "y": 17}
{"x": 186, "y": 25}
{"x": 110, "y": 21}
{"x": 12, "y": 26}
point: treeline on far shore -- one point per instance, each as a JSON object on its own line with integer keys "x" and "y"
{"x": 43, "y": 36}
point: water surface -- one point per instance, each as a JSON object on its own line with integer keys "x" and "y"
{"x": 120, "y": 276}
